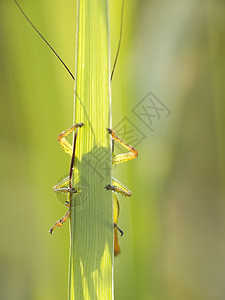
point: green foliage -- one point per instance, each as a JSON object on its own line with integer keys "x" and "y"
{"x": 173, "y": 246}
{"x": 91, "y": 255}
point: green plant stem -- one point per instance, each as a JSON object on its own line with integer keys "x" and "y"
{"x": 91, "y": 252}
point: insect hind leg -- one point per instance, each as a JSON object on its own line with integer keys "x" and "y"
{"x": 62, "y": 187}
{"x": 60, "y": 222}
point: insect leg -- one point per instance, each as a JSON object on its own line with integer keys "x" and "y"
{"x": 63, "y": 187}
{"x": 118, "y": 187}
{"x": 119, "y": 229}
{"x": 60, "y": 222}
{"x": 58, "y": 189}
{"x": 122, "y": 157}
{"x": 67, "y": 147}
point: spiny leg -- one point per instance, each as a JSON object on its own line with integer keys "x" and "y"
{"x": 65, "y": 185}
{"x": 62, "y": 187}
{"x": 66, "y": 190}
{"x": 67, "y": 147}
{"x": 122, "y": 157}
{"x": 60, "y": 222}
{"x": 118, "y": 187}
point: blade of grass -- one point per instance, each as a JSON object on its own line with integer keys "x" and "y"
{"x": 91, "y": 251}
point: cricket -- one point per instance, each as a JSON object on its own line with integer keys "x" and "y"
{"x": 65, "y": 186}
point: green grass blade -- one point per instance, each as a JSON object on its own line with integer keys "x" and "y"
{"x": 91, "y": 252}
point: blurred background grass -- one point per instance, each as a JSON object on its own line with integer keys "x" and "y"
{"x": 174, "y": 241}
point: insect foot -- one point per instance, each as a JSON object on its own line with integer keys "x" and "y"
{"x": 120, "y": 230}
{"x": 109, "y": 187}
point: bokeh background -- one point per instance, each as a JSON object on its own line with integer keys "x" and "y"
{"x": 174, "y": 242}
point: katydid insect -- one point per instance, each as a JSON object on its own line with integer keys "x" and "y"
{"x": 65, "y": 186}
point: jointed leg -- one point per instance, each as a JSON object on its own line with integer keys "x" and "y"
{"x": 61, "y": 221}
{"x": 123, "y": 157}
{"x": 63, "y": 187}
{"x": 67, "y": 147}
{"x": 120, "y": 230}
{"x": 118, "y": 187}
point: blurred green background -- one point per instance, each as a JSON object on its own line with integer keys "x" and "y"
{"x": 174, "y": 242}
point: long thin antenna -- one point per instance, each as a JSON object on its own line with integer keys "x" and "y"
{"x": 57, "y": 55}
{"x": 38, "y": 32}
{"x": 120, "y": 39}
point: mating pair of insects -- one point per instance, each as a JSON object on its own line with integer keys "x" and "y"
{"x": 116, "y": 186}
{"x": 66, "y": 185}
